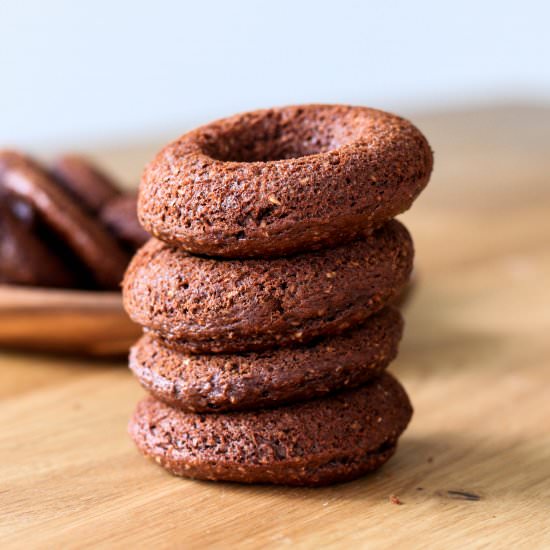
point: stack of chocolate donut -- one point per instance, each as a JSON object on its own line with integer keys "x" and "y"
{"x": 265, "y": 295}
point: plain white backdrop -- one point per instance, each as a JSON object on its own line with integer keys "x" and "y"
{"x": 75, "y": 73}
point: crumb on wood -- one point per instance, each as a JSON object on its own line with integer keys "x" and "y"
{"x": 394, "y": 499}
{"x": 430, "y": 459}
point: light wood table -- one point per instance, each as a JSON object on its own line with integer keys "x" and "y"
{"x": 475, "y": 359}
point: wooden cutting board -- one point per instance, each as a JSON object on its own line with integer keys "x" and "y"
{"x": 472, "y": 471}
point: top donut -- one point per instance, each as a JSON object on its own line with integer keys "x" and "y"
{"x": 280, "y": 181}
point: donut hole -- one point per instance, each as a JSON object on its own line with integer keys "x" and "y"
{"x": 275, "y": 135}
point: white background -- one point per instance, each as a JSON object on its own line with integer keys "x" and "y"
{"x": 76, "y": 72}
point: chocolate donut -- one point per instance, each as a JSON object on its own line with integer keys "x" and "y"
{"x": 219, "y": 382}
{"x": 328, "y": 440}
{"x": 23, "y": 179}
{"x": 280, "y": 181}
{"x": 203, "y": 305}
{"x": 120, "y": 216}
{"x": 85, "y": 182}
{"x": 26, "y": 260}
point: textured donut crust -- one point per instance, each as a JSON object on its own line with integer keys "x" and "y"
{"x": 202, "y": 305}
{"x": 328, "y": 440}
{"x": 340, "y": 170}
{"x": 210, "y": 383}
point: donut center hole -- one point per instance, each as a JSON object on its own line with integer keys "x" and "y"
{"x": 271, "y": 139}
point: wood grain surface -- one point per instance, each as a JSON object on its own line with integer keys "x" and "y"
{"x": 473, "y": 469}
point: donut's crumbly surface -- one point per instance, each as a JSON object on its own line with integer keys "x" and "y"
{"x": 202, "y": 305}
{"x": 219, "y": 382}
{"x": 332, "y": 439}
{"x": 280, "y": 181}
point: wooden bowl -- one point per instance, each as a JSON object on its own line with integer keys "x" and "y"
{"x": 65, "y": 321}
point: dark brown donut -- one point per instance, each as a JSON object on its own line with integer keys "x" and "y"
{"x": 280, "y": 181}
{"x": 120, "y": 216}
{"x": 219, "y": 382}
{"x": 24, "y": 259}
{"x": 85, "y": 181}
{"x": 328, "y": 440}
{"x": 204, "y": 305}
{"x": 25, "y": 180}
